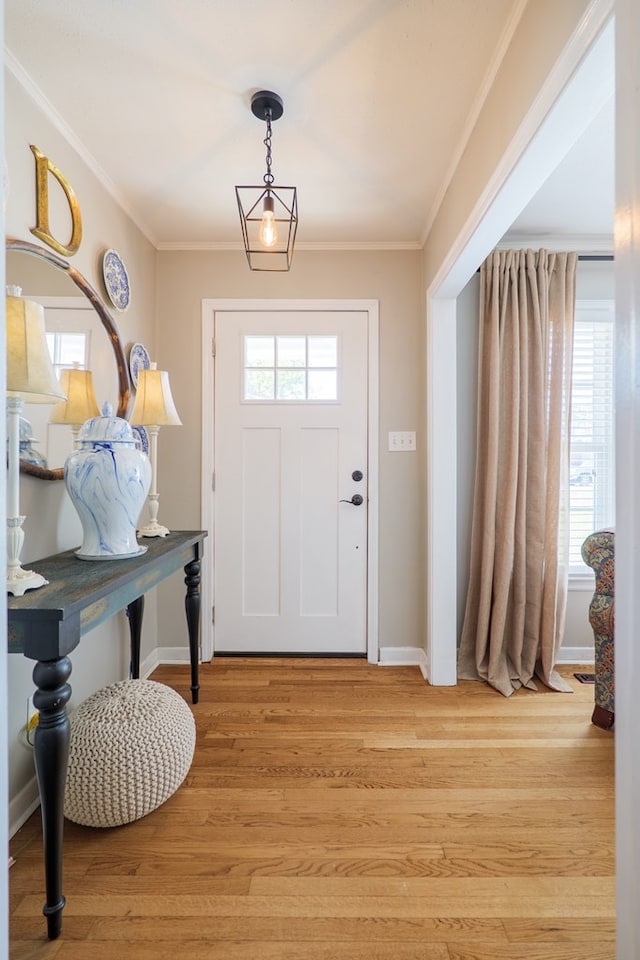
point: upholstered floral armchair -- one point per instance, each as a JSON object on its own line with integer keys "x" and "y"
{"x": 598, "y": 553}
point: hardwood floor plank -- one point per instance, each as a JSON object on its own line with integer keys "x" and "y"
{"x": 193, "y": 839}
{"x": 337, "y": 811}
{"x": 273, "y": 903}
{"x": 277, "y": 950}
{"x": 423, "y": 806}
{"x": 577, "y": 928}
{"x": 373, "y": 866}
{"x": 586, "y": 950}
{"x": 308, "y": 929}
{"x": 486, "y": 889}
{"x": 370, "y": 777}
{"x": 583, "y": 849}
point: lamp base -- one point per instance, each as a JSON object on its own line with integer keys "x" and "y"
{"x": 153, "y": 529}
{"x": 19, "y": 581}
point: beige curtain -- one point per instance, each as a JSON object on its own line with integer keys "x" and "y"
{"x": 515, "y": 610}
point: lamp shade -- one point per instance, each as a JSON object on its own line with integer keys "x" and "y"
{"x": 81, "y": 403}
{"x": 154, "y": 404}
{"x": 30, "y": 373}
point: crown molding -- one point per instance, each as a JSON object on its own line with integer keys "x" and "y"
{"x": 361, "y": 245}
{"x": 346, "y": 245}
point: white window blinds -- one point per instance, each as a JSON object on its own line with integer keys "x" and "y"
{"x": 591, "y": 473}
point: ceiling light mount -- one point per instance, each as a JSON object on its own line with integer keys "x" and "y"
{"x": 268, "y": 214}
{"x": 267, "y": 104}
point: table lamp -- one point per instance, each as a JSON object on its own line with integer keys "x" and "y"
{"x": 81, "y": 403}
{"x": 154, "y": 408}
{"x": 31, "y": 378}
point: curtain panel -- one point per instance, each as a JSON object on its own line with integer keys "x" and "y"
{"x": 516, "y": 601}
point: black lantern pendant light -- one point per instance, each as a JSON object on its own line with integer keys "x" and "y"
{"x": 268, "y": 214}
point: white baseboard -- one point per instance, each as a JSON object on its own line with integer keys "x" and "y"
{"x": 22, "y": 806}
{"x": 148, "y": 665}
{"x": 416, "y": 656}
{"x": 163, "y": 655}
{"x": 569, "y": 655}
{"x": 403, "y": 657}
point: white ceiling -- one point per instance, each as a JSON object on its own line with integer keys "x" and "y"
{"x": 577, "y": 201}
{"x": 379, "y": 95}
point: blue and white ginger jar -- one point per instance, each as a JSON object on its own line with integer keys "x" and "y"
{"x": 108, "y": 478}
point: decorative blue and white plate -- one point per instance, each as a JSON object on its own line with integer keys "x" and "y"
{"x": 142, "y": 437}
{"x": 138, "y": 360}
{"x": 116, "y": 280}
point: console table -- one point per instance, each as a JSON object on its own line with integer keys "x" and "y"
{"x": 47, "y": 624}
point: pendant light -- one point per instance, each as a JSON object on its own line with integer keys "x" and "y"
{"x": 268, "y": 214}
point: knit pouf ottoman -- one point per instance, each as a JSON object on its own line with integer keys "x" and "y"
{"x": 131, "y": 747}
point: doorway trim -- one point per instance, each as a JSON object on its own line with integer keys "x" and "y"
{"x": 207, "y": 493}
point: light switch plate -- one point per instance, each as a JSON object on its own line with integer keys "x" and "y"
{"x": 402, "y": 441}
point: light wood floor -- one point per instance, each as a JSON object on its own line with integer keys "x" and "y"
{"x": 340, "y": 811}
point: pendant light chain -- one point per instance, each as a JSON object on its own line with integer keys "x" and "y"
{"x": 268, "y": 177}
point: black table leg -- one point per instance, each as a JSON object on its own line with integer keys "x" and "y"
{"x": 135, "y": 611}
{"x": 51, "y": 750}
{"x": 192, "y": 608}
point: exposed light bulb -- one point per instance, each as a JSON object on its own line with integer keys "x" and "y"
{"x": 268, "y": 229}
{"x": 268, "y": 234}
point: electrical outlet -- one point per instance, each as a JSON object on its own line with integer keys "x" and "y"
{"x": 402, "y": 441}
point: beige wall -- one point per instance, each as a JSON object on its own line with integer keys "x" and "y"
{"x": 392, "y": 278}
{"x": 52, "y": 523}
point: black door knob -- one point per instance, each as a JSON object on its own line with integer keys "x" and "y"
{"x": 356, "y": 500}
{"x": 357, "y": 475}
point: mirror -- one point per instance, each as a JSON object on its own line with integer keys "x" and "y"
{"x": 56, "y": 284}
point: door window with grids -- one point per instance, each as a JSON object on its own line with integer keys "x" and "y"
{"x": 592, "y": 450}
{"x": 290, "y": 368}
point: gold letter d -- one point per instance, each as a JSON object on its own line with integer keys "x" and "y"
{"x": 41, "y": 230}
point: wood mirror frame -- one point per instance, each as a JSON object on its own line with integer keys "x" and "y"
{"x": 124, "y": 388}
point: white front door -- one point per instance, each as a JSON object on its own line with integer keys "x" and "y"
{"x": 290, "y": 543}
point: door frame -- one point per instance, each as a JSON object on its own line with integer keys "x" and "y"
{"x": 207, "y": 494}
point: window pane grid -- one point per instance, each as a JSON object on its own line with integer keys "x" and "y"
{"x": 67, "y": 349}
{"x": 282, "y": 368}
{"x": 591, "y": 480}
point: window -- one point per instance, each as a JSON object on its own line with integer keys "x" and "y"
{"x": 68, "y": 348}
{"x": 591, "y": 471}
{"x": 290, "y": 368}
